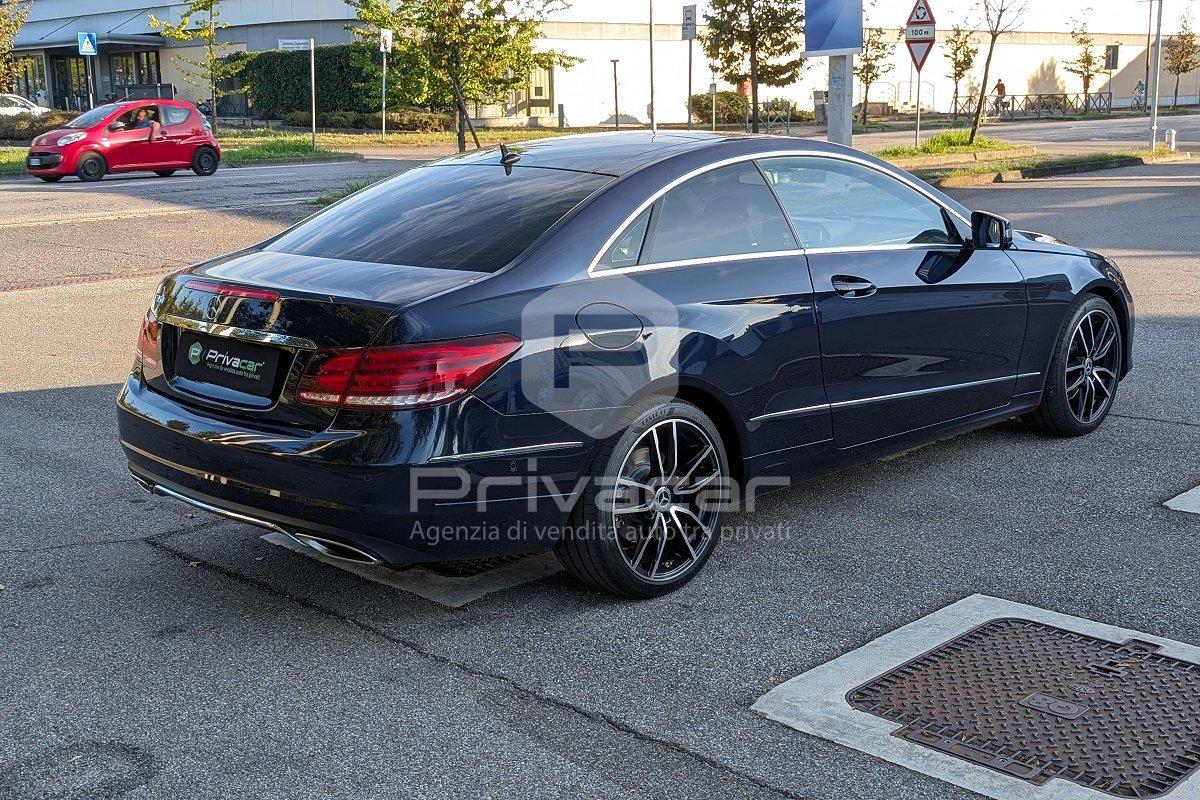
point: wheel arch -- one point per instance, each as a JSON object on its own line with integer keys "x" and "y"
{"x": 708, "y": 399}
{"x": 1113, "y": 297}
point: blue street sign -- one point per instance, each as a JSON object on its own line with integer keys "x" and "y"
{"x": 833, "y": 27}
{"x": 87, "y": 44}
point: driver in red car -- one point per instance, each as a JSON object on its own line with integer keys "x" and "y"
{"x": 143, "y": 119}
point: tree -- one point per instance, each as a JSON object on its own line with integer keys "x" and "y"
{"x": 961, "y": 53}
{"x": 1000, "y": 17}
{"x": 477, "y": 50}
{"x": 200, "y": 22}
{"x": 1087, "y": 64}
{"x": 12, "y": 17}
{"x": 1181, "y": 54}
{"x": 755, "y": 41}
{"x": 874, "y": 62}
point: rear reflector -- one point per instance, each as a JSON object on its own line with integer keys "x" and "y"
{"x": 230, "y": 290}
{"x": 147, "y": 345}
{"x": 404, "y": 375}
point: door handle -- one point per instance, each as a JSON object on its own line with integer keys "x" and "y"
{"x": 853, "y": 286}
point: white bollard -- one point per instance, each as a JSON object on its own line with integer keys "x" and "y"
{"x": 1169, "y": 139}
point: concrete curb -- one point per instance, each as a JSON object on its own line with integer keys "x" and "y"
{"x": 959, "y": 159}
{"x": 233, "y": 163}
{"x": 1012, "y": 175}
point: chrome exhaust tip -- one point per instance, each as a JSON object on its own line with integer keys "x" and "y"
{"x": 326, "y": 547}
{"x": 331, "y": 549}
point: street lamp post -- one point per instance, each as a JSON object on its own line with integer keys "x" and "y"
{"x": 1154, "y": 77}
{"x": 616, "y": 106}
{"x": 653, "y": 123}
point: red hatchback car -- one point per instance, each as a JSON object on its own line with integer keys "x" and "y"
{"x": 133, "y": 135}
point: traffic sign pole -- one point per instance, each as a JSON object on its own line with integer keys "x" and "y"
{"x": 689, "y": 33}
{"x": 919, "y": 35}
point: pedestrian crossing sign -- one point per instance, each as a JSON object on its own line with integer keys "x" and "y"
{"x": 87, "y": 44}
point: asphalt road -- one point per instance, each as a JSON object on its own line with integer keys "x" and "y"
{"x": 1066, "y": 137}
{"x": 149, "y": 652}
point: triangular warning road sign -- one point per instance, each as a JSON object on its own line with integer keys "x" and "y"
{"x": 919, "y": 52}
{"x": 921, "y": 14}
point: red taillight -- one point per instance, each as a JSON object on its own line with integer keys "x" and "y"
{"x": 404, "y": 375}
{"x": 230, "y": 290}
{"x": 147, "y": 345}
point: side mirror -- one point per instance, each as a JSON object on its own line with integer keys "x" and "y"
{"x": 990, "y": 230}
{"x": 116, "y": 126}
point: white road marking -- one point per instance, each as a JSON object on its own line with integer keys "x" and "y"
{"x": 815, "y": 702}
{"x": 1189, "y": 501}
{"x": 451, "y": 592}
{"x": 16, "y": 223}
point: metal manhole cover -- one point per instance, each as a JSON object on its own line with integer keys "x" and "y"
{"x": 1039, "y": 702}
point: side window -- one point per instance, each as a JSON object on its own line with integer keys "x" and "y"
{"x": 174, "y": 115}
{"x": 836, "y": 203}
{"x": 728, "y": 211}
{"x": 628, "y": 247}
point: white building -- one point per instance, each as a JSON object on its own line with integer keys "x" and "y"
{"x": 133, "y": 58}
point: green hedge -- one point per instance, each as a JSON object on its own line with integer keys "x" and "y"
{"x": 348, "y": 79}
{"x": 23, "y": 127}
{"x": 402, "y": 120}
{"x": 731, "y": 108}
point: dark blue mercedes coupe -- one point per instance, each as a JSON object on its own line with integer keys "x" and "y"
{"x": 603, "y": 345}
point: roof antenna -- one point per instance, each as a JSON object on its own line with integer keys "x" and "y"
{"x": 508, "y": 158}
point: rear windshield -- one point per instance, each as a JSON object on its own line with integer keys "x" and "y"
{"x": 468, "y": 217}
{"x": 89, "y": 118}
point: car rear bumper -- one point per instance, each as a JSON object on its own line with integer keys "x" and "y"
{"x": 353, "y": 488}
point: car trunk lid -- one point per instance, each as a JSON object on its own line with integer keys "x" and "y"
{"x": 234, "y": 336}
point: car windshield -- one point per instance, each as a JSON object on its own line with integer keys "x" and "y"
{"x": 89, "y": 118}
{"x": 468, "y": 217}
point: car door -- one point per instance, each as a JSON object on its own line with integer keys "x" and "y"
{"x": 917, "y": 326}
{"x": 719, "y": 250}
{"x": 129, "y": 147}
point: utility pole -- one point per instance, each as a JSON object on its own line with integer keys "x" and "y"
{"x": 653, "y": 124}
{"x": 1154, "y": 77}
{"x": 616, "y": 105}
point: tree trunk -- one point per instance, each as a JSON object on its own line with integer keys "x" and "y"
{"x": 954, "y": 107}
{"x": 753, "y": 68}
{"x": 461, "y": 127}
{"x": 866, "y": 94}
{"x": 1175, "y": 100}
{"x": 987, "y": 67}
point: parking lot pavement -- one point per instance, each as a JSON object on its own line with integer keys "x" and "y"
{"x": 154, "y": 652}
{"x": 140, "y": 223}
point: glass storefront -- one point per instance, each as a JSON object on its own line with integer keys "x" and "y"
{"x": 133, "y": 68}
{"x": 30, "y": 81}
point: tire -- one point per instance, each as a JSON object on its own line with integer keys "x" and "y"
{"x": 1085, "y": 370}
{"x": 649, "y": 534}
{"x": 91, "y": 167}
{"x": 164, "y": 173}
{"x": 205, "y": 161}
{"x": 51, "y": 178}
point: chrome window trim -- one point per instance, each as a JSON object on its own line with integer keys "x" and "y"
{"x": 593, "y": 269}
{"x": 691, "y": 262}
{"x": 244, "y": 334}
{"x": 507, "y": 451}
{"x": 796, "y": 412}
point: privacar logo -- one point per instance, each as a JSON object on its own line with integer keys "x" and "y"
{"x": 194, "y": 353}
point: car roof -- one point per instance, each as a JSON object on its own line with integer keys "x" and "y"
{"x": 614, "y": 153}
{"x": 619, "y": 153}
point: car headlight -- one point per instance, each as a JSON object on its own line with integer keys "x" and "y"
{"x": 70, "y": 138}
